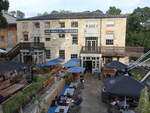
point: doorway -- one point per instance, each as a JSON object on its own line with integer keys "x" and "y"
{"x": 88, "y": 66}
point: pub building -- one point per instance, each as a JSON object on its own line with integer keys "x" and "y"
{"x": 93, "y": 37}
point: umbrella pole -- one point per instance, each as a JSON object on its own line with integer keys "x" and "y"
{"x": 125, "y": 103}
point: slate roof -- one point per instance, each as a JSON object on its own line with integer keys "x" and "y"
{"x": 79, "y": 15}
{"x": 10, "y": 19}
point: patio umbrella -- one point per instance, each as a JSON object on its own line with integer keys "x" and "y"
{"x": 51, "y": 62}
{"x": 123, "y": 86}
{"x": 76, "y": 69}
{"x": 70, "y": 64}
{"x": 116, "y": 65}
{"x": 57, "y": 60}
{"x": 75, "y": 59}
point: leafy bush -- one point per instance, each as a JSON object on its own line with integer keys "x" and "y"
{"x": 144, "y": 103}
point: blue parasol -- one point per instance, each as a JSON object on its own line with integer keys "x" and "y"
{"x": 76, "y": 69}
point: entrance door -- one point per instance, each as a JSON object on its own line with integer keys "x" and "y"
{"x": 88, "y": 65}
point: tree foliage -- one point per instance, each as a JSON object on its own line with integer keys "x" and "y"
{"x": 60, "y": 11}
{"x": 41, "y": 14}
{"x": 138, "y": 31}
{"x": 144, "y": 103}
{"x": 4, "y": 5}
{"x": 113, "y": 11}
{"x": 19, "y": 14}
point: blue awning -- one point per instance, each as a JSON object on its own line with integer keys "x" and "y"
{"x": 75, "y": 59}
{"x": 76, "y": 69}
{"x": 70, "y": 64}
{"x": 57, "y": 60}
{"x": 51, "y": 62}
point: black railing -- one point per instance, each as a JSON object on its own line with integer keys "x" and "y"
{"x": 90, "y": 49}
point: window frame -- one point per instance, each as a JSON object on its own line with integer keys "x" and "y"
{"x": 48, "y": 55}
{"x": 62, "y": 24}
{"x": 74, "y": 41}
{"x": 62, "y": 35}
{"x": 74, "y": 56}
{"x": 48, "y": 25}
{"x": 25, "y": 38}
{"x": 24, "y": 25}
{"x": 108, "y": 42}
{"x": 35, "y": 26}
{"x": 74, "y": 24}
{"x": 62, "y": 54}
{"x": 47, "y": 37}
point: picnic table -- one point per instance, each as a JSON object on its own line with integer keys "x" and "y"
{"x": 64, "y": 109}
{"x": 69, "y": 91}
{"x": 73, "y": 84}
{"x": 10, "y": 90}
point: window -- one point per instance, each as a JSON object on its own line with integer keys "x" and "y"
{"x": 1, "y": 38}
{"x": 25, "y": 37}
{"x": 110, "y": 23}
{"x": 74, "y": 24}
{"x": 74, "y": 56}
{"x": 109, "y": 36}
{"x": 47, "y": 38}
{"x": 109, "y": 42}
{"x": 36, "y": 25}
{"x": 74, "y": 39}
{"x": 47, "y": 24}
{"x": 61, "y": 35}
{"x": 62, "y": 24}
{"x": 25, "y": 25}
{"x": 62, "y": 54}
{"x": 48, "y": 54}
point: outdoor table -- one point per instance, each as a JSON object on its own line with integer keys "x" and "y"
{"x": 73, "y": 84}
{"x": 69, "y": 91}
{"x": 127, "y": 111}
{"x": 65, "y": 108}
{"x": 123, "y": 104}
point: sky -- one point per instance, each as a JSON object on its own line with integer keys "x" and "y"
{"x": 33, "y": 7}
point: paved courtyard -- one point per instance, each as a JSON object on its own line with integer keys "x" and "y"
{"x": 92, "y": 96}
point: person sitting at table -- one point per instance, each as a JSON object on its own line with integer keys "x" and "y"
{"x": 78, "y": 100}
{"x": 115, "y": 102}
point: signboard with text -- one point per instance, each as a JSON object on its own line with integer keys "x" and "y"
{"x": 61, "y": 31}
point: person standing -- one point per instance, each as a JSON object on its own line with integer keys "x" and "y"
{"x": 82, "y": 80}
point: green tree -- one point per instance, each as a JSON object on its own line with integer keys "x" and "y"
{"x": 20, "y": 14}
{"x": 4, "y": 5}
{"x": 61, "y": 11}
{"x": 41, "y": 14}
{"x": 113, "y": 11}
{"x": 99, "y": 11}
{"x": 138, "y": 31}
